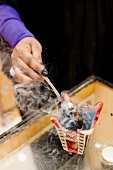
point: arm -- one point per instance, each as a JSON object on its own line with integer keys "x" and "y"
{"x": 11, "y": 25}
{"x": 27, "y": 50}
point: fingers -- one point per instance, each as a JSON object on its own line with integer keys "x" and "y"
{"x": 31, "y": 62}
{"x": 22, "y": 78}
{"x": 22, "y": 73}
{"x": 27, "y": 70}
{"x": 18, "y": 75}
{"x": 25, "y": 54}
{"x": 36, "y": 52}
{"x": 27, "y": 57}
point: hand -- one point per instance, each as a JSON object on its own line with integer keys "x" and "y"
{"x": 26, "y": 56}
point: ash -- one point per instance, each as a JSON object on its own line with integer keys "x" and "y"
{"x": 49, "y": 154}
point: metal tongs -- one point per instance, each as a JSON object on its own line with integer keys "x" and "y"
{"x": 44, "y": 74}
{"x": 52, "y": 86}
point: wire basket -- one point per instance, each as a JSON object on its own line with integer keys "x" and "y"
{"x": 75, "y": 141}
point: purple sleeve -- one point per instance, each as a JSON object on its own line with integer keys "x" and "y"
{"x": 12, "y": 29}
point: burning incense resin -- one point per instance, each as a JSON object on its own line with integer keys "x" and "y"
{"x": 70, "y": 117}
{"x": 73, "y": 117}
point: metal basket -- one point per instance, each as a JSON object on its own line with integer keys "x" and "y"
{"x": 75, "y": 141}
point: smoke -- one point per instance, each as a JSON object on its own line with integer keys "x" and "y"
{"x": 34, "y": 97}
{"x": 73, "y": 117}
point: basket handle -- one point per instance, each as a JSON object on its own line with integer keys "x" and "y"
{"x": 99, "y": 105}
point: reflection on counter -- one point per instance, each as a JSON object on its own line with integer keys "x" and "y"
{"x": 9, "y": 120}
{"x": 21, "y": 160}
{"x": 44, "y": 153}
{"x": 9, "y": 112}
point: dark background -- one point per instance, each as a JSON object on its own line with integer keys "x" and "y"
{"x": 76, "y": 36}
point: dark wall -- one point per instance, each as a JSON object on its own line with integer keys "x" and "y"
{"x": 81, "y": 41}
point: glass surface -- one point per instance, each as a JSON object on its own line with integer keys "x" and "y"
{"x": 44, "y": 153}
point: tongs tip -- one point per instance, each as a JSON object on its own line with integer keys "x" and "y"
{"x": 53, "y": 88}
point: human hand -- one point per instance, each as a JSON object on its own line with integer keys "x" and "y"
{"x": 27, "y": 61}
